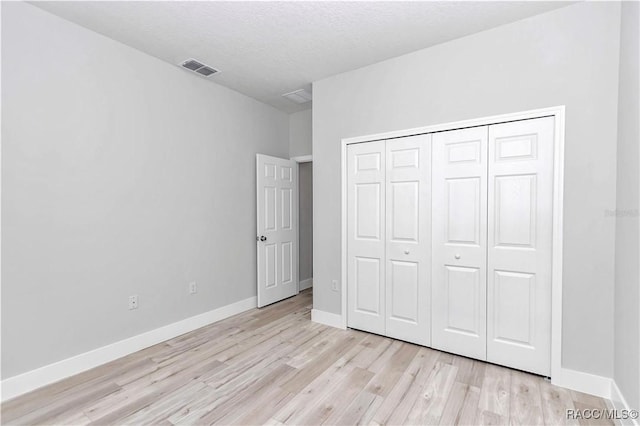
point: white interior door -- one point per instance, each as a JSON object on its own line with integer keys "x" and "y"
{"x": 408, "y": 238}
{"x": 519, "y": 244}
{"x": 459, "y": 217}
{"x": 277, "y": 238}
{"x": 366, "y": 236}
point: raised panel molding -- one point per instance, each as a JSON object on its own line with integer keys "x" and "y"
{"x": 366, "y": 162}
{"x": 367, "y": 211}
{"x": 405, "y": 158}
{"x": 404, "y": 211}
{"x": 367, "y": 277}
{"x": 270, "y": 171}
{"x": 269, "y": 208}
{"x": 514, "y": 307}
{"x": 515, "y": 207}
{"x": 287, "y": 263}
{"x": 463, "y": 210}
{"x": 404, "y": 286}
{"x": 463, "y": 152}
{"x": 521, "y": 147}
{"x": 462, "y": 299}
{"x": 286, "y": 197}
{"x": 285, "y": 173}
{"x": 270, "y": 264}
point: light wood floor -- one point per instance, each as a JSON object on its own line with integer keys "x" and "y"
{"x": 275, "y": 366}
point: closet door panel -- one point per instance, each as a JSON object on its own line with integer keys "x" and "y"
{"x": 519, "y": 244}
{"x": 408, "y": 243}
{"x": 459, "y": 232}
{"x": 366, "y": 236}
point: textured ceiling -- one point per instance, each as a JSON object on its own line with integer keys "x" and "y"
{"x": 265, "y": 49}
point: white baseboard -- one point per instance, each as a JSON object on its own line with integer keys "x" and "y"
{"x": 26, "y": 382}
{"x": 620, "y": 403}
{"x": 583, "y": 382}
{"x": 327, "y": 318}
{"x": 305, "y": 284}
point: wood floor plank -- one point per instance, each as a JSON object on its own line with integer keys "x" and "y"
{"x": 396, "y": 406}
{"x": 67, "y": 389}
{"x": 429, "y": 406}
{"x": 555, "y": 403}
{"x": 361, "y": 410}
{"x": 75, "y": 418}
{"x": 343, "y": 344}
{"x": 495, "y": 394}
{"x": 164, "y": 407}
{"x": 334, "y": 404}
{"x": 274, "y": 366}
{"x": 453, "y": 407}
{"x": 264, "y": 407}
{"x": 588, "y": 400}
{"x": 305, "y": 400}
{"x": 375, "y": 347}
{"x": 469, "y": 411}
{"x": 197, "y": 407}
{"x": 70, "y": 405}
{"x": 379, "y": 364}
{"x": 319, "y": 385}
{"x": 390, "y": 373}
{"x": 470, "y": 371}
{"x": 525, "y": 407}
{"x": 141, "y": 398}
{"x": 239, "y": 397}
{"x": 305, "y": 356}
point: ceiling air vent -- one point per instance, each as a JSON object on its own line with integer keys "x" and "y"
{"x": 199, "y": 67}
{"x": 300, "y": 96}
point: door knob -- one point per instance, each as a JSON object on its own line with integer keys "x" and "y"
{"x": 457, "y": 256}
{"x": 261, "y": 238}
{"x": 406, "y": 252}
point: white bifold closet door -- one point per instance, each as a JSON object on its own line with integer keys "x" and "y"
{"x": 519, "y": 244}
{"x": 389, "y": 238}
{"x": 366, "y": 236}
{"x": 449, "y": 239}
{"x": 459, "y": 215}
{"x": 408, "y": 248}
{"x": 492, "y": 236}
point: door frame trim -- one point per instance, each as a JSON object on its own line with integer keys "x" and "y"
{"x": 558, "y": 112}
{"x": 302, "y": 159}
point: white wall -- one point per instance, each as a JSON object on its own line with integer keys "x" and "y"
{"x": 305, "y": 220}
{"x": 564, "y": 57}
{"x": 300, "y": 133}
{"x": 121, "y": 175}
{"x": 627, "y": 264}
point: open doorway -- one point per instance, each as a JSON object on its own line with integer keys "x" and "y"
{"x": 305, "y": 220}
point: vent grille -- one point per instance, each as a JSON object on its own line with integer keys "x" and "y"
{"x": 199, "y": 68}
{"x": 206, "y": 71}
{"x": 300, "y": 96}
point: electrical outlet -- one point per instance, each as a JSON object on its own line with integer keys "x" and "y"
{"x": 133, "y": 302}
{"x": 193, "y": 287}
{"x": 334, "y": 285}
